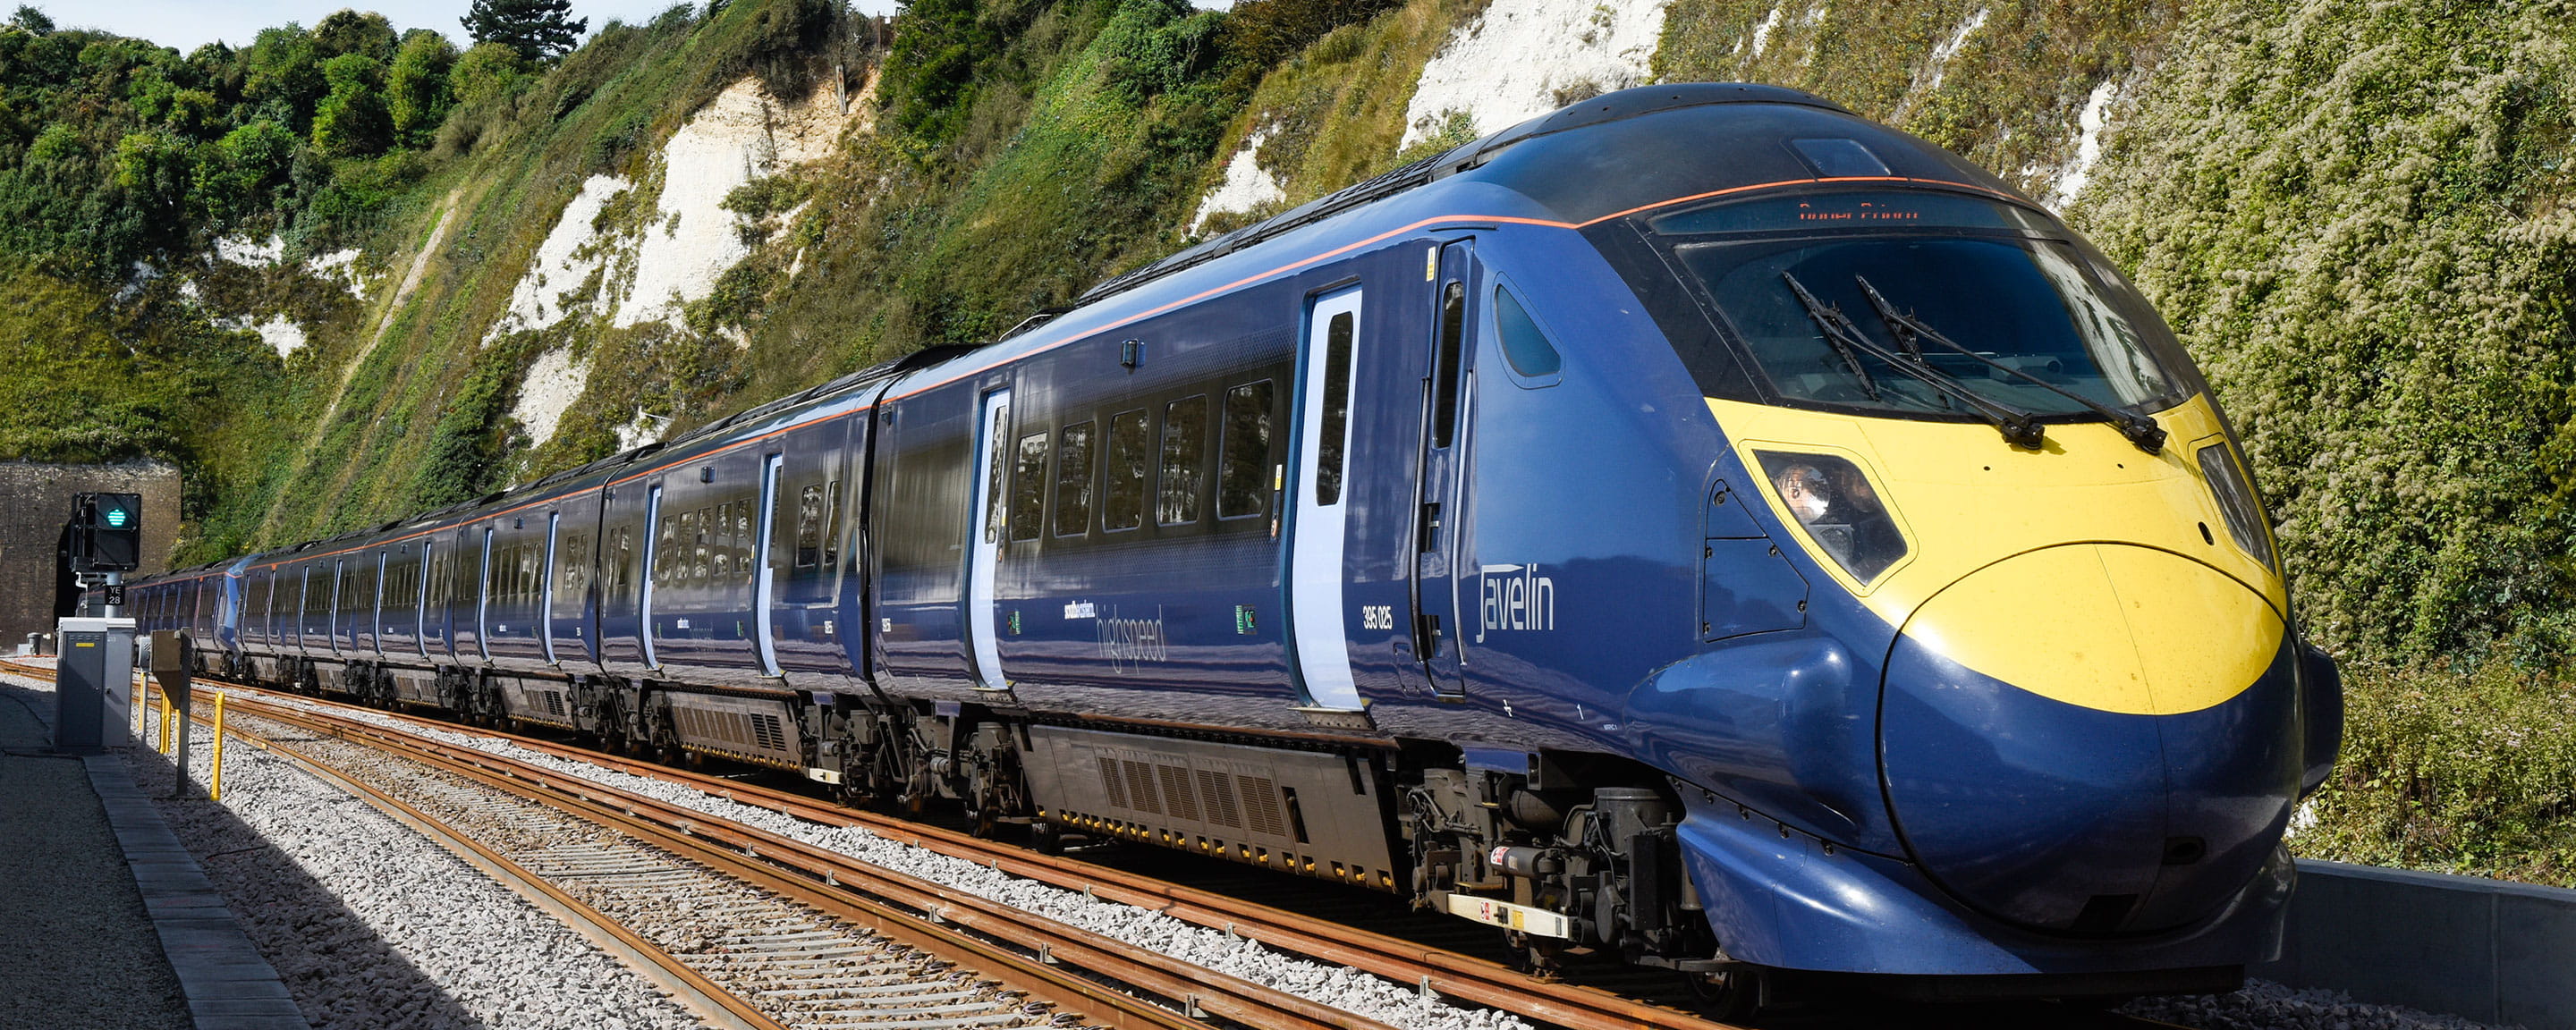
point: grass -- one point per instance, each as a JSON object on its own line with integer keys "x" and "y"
{"x": 2465, "y": 771}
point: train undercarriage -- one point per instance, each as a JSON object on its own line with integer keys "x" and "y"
{"x": 1563, "y": 853}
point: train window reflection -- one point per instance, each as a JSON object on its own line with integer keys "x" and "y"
{"x": 832, "y": 524}
{"x": 1028, "y": 487}
{"x": 1177, "y": 494}
{"x": 1129, "y": 455}
{"x": 2027, "y": 304}
{"x": 1241, "y": 490}
{"x": 809, "y": 526}
{"x": 1332, "y": 436}
{"x": 1073, "y": 480}
{"x": 1444, "y": 373}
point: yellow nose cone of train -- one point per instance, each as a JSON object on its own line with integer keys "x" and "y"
{"x": 2111, "y": 627}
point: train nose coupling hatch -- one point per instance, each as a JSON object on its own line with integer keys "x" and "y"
{"x": 2092, "y": 738}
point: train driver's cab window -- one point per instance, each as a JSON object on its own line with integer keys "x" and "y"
{"x": 1243, "y": 479}
{"x": 1177, "y": 497}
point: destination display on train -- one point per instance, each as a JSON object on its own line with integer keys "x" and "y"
{"x": 1846, "y": 210}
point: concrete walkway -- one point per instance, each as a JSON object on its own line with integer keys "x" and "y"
{"x": 106, "y": 920}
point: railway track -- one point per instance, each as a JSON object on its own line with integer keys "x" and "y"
{"x": 1065, "y": 975}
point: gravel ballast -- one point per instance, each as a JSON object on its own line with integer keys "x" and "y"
{"x": 371, "y": 925}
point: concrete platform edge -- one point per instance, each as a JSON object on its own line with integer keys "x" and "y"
{"x": 219, "y": 969}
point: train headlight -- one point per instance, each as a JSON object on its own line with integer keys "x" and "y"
{"x": 1837, "y": 507}
{"x": 2236, "y": 501}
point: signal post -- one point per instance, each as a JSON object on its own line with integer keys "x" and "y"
{"x": 95, "y": 668}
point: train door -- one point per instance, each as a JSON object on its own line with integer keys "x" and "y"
{"x": 376, "y": 615}
{"x": 651, "y": 571}
{"x": 1320, "y": 521}
{"x": 426, "y": 599}
{"x": 1441, "y": 560}
{"x": 545, "y": 619}
{"x": 984, "y": 543}
{"x": 483, "y": 599}
{"x": 764, "y": 569}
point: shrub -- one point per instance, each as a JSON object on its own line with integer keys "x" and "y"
{"x": 489, "y": 73}
{"x": 416, "y": 89}
{"x": 353, "y": 121}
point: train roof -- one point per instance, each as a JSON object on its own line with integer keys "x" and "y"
{"x": 1618, "y": 152}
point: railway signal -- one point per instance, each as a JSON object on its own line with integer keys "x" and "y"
{"x": 107, "y": 532}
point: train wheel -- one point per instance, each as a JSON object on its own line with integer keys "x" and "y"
{"x": 1730, "y": 996}
{"x": 1045, "y": 839}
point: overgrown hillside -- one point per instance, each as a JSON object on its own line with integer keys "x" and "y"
{"x": 342, "y": 275}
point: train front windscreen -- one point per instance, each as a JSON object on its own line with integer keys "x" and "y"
{"x": 1824, "y": 293}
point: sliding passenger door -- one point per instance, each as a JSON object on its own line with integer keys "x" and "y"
{"x": 984, "y": 544}
{"x": 764, "y": 571}
{"x": 1320, "y": 514}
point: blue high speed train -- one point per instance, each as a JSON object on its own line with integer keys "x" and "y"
{"x": 1698, "y": 527}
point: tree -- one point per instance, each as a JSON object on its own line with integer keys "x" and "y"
{"x": 488, "y": 72}
{"x": 352, "y": 121}
{"x": 537, "y": 29}
{"x": 416, "y": 89}
{"x": 346, "y": 31}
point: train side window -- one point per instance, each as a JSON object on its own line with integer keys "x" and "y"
{"x": 1453, "y": 326}
{"x": 1129, "y": 455}
{"x": 1337, "y": 409}
{"x": 1028, "y": 488}
{"x": 1524, "y": 345}
{"x": 574, "y": 557}
{"x": 620, "y": 559}
{"x": 1176, "y": 498}
{"x": 693, "y": 550}
{"x": 1073, "y": 480}
{"x": 665, "y": 569}
{"x": 809, "y": 526}
{"x": 1241, "y": 489}
{"x": 832, "y": 524}
{"x": 720, "y": 546}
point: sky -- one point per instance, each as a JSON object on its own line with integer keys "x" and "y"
{"x": 188, "y": 24}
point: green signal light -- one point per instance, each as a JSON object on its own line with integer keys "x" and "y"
{"x": 116, "y": 518}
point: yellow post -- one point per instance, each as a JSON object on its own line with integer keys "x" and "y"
{"x": 142, "y": 709}
{"x": 215, "y": 784}
{"x": 165, "y": 722}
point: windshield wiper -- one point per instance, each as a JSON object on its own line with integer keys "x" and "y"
{"x": 2017, "y": 426}
{"x": 2141, "y": 430}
